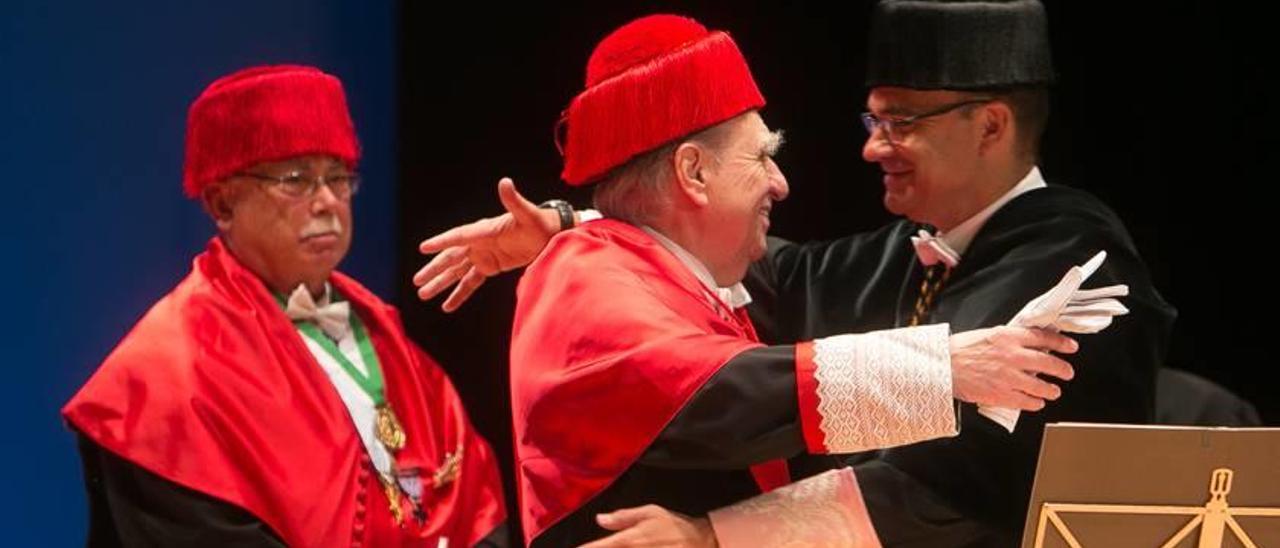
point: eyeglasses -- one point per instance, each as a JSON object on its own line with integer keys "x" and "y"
{"x": 295, "y": 184}
{"x": 895, "y": 129}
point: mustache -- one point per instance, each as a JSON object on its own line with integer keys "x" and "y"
{"x": 322, "y": 225}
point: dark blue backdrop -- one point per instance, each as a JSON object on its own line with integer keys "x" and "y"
{"x": 95, "y": 226}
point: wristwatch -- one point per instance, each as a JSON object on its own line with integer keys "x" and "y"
{"x": 563, "y": 208}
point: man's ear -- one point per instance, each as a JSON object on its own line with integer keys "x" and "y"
{"x": 996, "y": 125}
{"x": 689, "y": 162}
{"x": 218, "y": 199}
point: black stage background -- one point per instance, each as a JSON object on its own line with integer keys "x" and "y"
{"x": 1161, "y": 112}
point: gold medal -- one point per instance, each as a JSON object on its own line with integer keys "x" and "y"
{"x": 388, "y": 430}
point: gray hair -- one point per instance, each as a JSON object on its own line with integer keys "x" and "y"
{"x": 635, "y": 191}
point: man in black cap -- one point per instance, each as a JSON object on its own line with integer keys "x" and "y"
{"x": 958, "y": 102}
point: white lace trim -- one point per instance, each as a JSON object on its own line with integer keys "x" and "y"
{"x": 824, "y": 510}
{"x": 884, "y": 388}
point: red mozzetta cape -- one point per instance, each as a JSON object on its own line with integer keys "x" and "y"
{"x": 215, "y": 390}
{"x": 613, "y": 335}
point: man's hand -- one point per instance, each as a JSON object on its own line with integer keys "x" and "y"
{"x": 998, "y": 366}
{"x": 471, "y": 253}
{"x": 653, "y": 526}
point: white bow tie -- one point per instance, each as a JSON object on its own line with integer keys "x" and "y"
{"x": 932, "y": 250}
{"x": 332, "y": 318}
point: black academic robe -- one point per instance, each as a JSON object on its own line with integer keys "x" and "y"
{"x": 974, "y": 489}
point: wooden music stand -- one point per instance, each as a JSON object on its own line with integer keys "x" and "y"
{"x": 1100, "y": 485}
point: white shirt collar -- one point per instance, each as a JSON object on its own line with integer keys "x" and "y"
{"x": 735, "y": 296}
{"x": 959, "y": 238}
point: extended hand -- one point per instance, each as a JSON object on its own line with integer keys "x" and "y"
{"x": 471, "y": 253}
{"x": 653, "y": 526}
{"x": 998, "y": 366}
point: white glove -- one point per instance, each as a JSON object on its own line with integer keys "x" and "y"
{"x": 1069, "y": 309}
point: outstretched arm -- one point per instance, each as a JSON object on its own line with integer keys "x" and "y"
{"x": 468, "y": 255}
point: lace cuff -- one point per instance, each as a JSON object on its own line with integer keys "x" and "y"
{"x": 875, "y": 390}
{"x": 824, "y": 510}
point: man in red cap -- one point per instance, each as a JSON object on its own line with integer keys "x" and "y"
{"x": 269, "y": 400}
{"x": 958, "y": 102}
{"x": 635, "y": 371}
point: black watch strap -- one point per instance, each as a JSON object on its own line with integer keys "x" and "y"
{"x": 563, "y": 208}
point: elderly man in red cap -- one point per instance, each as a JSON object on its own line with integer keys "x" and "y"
{"x": 958, "y": 103}
{"x": 269, "y": 400}
{"x": 637, "y": 377}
